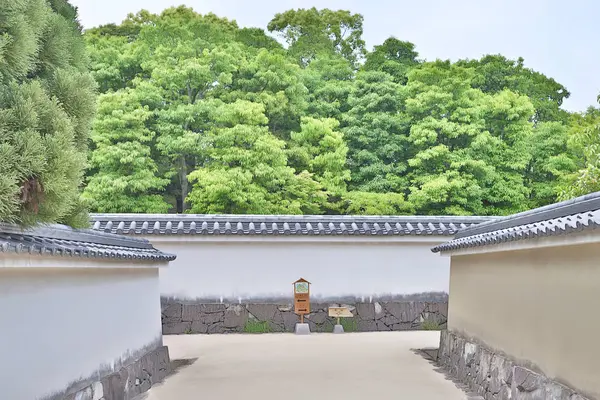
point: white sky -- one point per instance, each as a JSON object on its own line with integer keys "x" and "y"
{"x": 559, "y": 38}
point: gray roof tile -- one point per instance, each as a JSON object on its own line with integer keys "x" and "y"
{"x": 190, "y": 224}
{"x": 570, "y": 216}
{"x": 60, "y": 240}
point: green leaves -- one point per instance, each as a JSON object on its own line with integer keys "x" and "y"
{"x": 47, "y": 102}
{"x": 311, "y": 32}
{"x": 199, "y": 115}
{"x": 247, "y": 169}
{"x": 584, "y": 141}
{"x": 126, "y": 177}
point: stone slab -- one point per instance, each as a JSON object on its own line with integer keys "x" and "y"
{"x": 302, "y": 329}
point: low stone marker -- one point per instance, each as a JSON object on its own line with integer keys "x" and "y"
{"x": 339, "y": 312}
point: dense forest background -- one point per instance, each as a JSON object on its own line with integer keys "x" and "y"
{"x": 196, "y": 114}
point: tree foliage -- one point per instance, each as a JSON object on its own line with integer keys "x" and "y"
{"x": 584, "y": 142}
{"x": 309, "y": 32}
{"x": 47, "y": 102}
{"x": 200, "y": 115}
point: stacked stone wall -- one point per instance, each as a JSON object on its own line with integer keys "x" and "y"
{"x": 494, "y": 376}
{"x": 180, "y": 317}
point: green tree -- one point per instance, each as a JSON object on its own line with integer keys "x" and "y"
{"x": 376, "y": 134}
{"x": 319, "y": 149}
{"x": 269, "y": 78}
{"x": 125, "y": 176}
{"x": 47, "y": 102}
{"x": 394, "y": 57}
{"x": 183, "y": 78}
{"x": 247, "y": 171}
{"x": 310, "y": 32}
{"x": 551, "y": 162}
{"x": 369, "y": 203}
{"x": 329, "y": 80}
{"x": 468, "y": 152}
{"x": 584, "y": 143}
{"x": 497, "y": 73}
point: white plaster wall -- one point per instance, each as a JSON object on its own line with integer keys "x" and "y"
{"x": 62, "y": 325}
{"x": 235, "y": 269}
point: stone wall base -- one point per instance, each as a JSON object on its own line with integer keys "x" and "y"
{"x": 129, "y": 381}
{"x": 495, "y": 377}
{"x": 181, "y": 317}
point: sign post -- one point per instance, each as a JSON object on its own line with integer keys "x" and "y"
{"x": 302, "y": 304}
{"x": 339, "y": 312}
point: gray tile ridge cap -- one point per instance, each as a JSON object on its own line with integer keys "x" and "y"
{"x": 63, "y": 232}
{"x": 128, "y": 217}
{"x": 582, "y": 204}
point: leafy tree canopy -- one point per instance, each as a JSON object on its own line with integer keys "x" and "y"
{"x": 200, "y": 115}
{"x": 309, "y": 32}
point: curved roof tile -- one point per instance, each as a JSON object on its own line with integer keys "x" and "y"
{"x": 60, "y": 240}
{"x": 556, "y": 219}
{"x": 190, "y": 224}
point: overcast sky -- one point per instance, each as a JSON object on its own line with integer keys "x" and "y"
{"x": 556, "y": 37}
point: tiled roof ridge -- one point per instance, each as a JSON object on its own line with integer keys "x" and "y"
{"x": 60, "y": 240}
{"x": 280, "y": 224}
{"x": 58, "y": 231}
{"x": 574, "y": 206}
{"x": 562, "y": 218}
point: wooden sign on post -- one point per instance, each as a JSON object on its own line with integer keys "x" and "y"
{"x": 302, "y": 298}
{"x": 340, "y": 312}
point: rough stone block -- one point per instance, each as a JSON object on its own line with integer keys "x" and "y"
{"x": 365, "y": 311}
{"x": 235, "y": 317}
{"x": 114, "y": 385}
{"x": 176, "y": 328}
{"x": 212, "y": 318}
{"x": 209, "y": 308}
{"x": 525, "y": 380}
{"x": 263, "y": 312}
{"x": 366, "y": 325}
{"x": 199, "y": 327}
{"x": 389, "y": 320}
{"x": 289, "y": 321}
{"x": 217, "y": 327}
{"x": 381, "y": 326}
{"x": 191, "y": 312}
{"x": 318, "y": 317}
{"x": 555, "y": 390}
{"x": 172, "y": 310}
{"x": 501, "y": 373}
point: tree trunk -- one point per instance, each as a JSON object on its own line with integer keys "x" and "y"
{"x": 184, "y": 183}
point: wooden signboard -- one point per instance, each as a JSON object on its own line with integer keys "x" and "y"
{"x": 302, "y": 298}
{"x": 340, "y": 312}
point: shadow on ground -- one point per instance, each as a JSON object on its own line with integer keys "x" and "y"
{"x": 176, "y": 367}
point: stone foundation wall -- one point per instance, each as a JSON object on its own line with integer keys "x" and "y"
{"x": 180, "y": 317}
{"x": 130, "y": 381}
{"x": 494, "y": 376}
